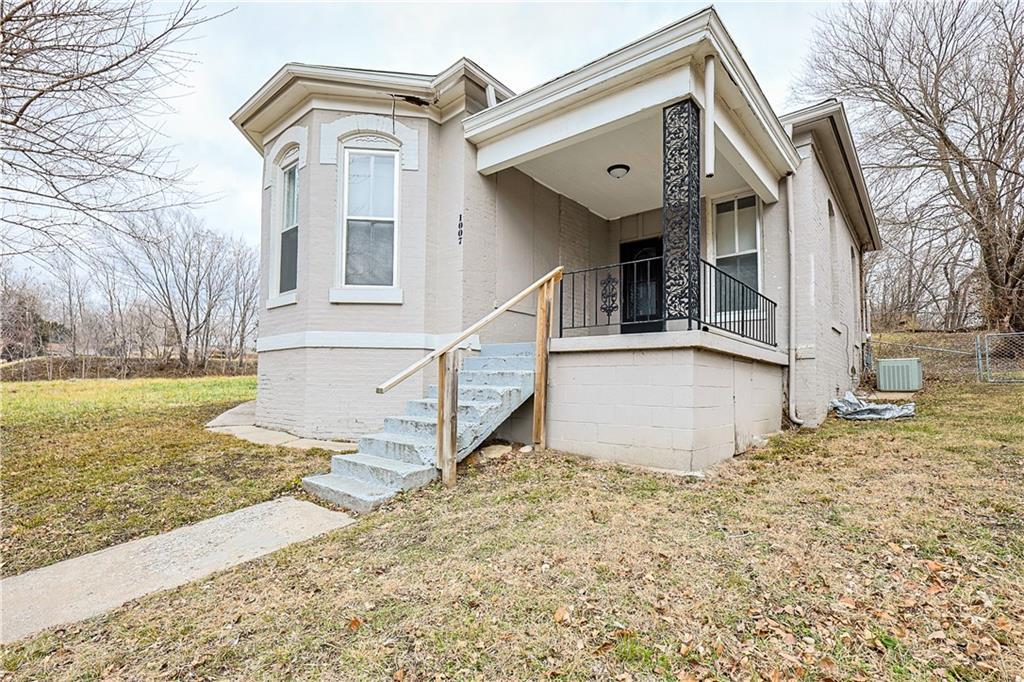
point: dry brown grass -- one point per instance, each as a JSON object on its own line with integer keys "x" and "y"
{"x": 92, "y": 463}
{"x": 860, "y": 551}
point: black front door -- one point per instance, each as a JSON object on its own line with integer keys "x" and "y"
{"x": 643, "y": 294}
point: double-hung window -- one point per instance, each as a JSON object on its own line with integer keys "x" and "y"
{"x": 289, "y": 238}
{"x": 370, "y": 218}
{"x": 736, "y": 252}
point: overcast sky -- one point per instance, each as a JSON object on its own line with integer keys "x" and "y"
{"x": 521, "y": 44}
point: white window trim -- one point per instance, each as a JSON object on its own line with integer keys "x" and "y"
{"x": 285, "y": 161}
{"x": 366, "y": 293}
{"x": 737, "y": 315}
{"x": 282, "y": 300}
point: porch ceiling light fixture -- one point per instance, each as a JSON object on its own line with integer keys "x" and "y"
{"x": 618, "y": 170}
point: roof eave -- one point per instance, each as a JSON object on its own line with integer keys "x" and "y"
{"x": 834, "y": 111}
{"x": 704, "y": 25}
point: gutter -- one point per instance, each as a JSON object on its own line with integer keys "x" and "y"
{"x": 791, "y": 369}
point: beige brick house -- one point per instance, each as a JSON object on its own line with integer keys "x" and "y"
{"x": 711, "y": 247}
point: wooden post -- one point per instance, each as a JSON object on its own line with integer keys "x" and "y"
{"x": 447, "y": 415}
{"x": 540, "y": 369}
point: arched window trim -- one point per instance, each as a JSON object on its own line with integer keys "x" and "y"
{"x": 355, "y": 125}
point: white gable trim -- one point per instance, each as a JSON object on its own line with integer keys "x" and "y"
{"x": 371, "y": 124}
{"x": 295, "y": 135}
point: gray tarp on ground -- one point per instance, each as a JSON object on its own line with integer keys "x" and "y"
{"x": 852, "y": 407}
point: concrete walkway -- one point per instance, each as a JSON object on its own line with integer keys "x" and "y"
{"x": 89, "y": 585}
{"x": 240, "y": 422}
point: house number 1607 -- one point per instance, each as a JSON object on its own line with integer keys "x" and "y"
{"x": 460, "y": 229}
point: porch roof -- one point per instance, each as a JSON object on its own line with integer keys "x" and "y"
{"x": 633, "y": 83}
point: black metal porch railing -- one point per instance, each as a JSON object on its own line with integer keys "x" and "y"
{"x": 630, "y": 297}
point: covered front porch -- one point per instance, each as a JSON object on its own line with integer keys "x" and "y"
{"x": 680, "y": 170}
{"x": 666, "y": 334}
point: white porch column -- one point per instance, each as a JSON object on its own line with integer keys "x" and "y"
{"x": 709, "y": 116}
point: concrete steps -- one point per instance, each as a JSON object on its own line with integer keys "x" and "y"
{"x": 403, "y": 456}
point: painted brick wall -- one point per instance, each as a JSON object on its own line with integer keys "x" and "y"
{"x": 330, "y": 392}
{"x": 828, "y": 321}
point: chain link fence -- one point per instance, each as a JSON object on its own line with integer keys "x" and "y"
{"x": 955, "y": 357}
{"x": 1002, "y": 357}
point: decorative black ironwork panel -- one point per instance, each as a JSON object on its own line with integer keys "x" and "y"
{"x": 609, "y": 296}
{"x": 681, "y": 210}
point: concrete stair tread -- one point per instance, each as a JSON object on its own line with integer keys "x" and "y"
{"x": 505, "y": 349}
{"x": 469, "y": 403}
{"x": 402, "y": 438}
{"x": 348, "y": 492}
{"x": 521, "y": 372}
{"x": 422, "y": 419}
{"x": 476, "y": 387}
{"x": 395, "y": 465}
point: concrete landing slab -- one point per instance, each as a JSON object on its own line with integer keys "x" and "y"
{"x": 255, "y": 434}
{"x": 888, "y": 396}
{"x": 89, "y": 585}
{"x": 332, "y": 445}
{"x": 239, "y": 415}
{"x": 240, "y": 422}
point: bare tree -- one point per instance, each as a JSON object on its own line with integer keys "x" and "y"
{"x": 938, "y": 94}
{"x": 244, "y": 296}
{"x": 20, "y": 314}
{"x": 71, "y": 287}
{"x": 181, "y": 267}
{"x": 82, "y": 82}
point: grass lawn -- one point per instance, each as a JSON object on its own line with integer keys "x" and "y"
{"x": 859, "y": 551}
{"x": 92, "y": 463}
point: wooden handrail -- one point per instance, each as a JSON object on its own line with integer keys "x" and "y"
{"x": 554, "y": 275}
{"x": 447, "y": 357}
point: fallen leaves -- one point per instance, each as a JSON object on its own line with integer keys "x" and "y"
{"x": 735, "y": 578}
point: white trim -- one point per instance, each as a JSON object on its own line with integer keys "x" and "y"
{"x": 296, "y": 135}
{"x": 640, "y": 57}
{"x": 282, "y": 162}
{"x": 352, "y": 294}
{"x": 293, "y": 82}
{"x": 289, "y": 298}
{"x": 707, "y": 340}
{"x": 408, "y": 140}
{"x": 325, "y": 339}
{"x": 342, "y": 228}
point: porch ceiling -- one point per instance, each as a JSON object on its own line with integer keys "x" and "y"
{"x": 579, "y": 171}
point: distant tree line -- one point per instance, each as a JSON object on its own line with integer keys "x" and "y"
{"x": 100, "y": 254}
{"x": 173, "y": 290}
